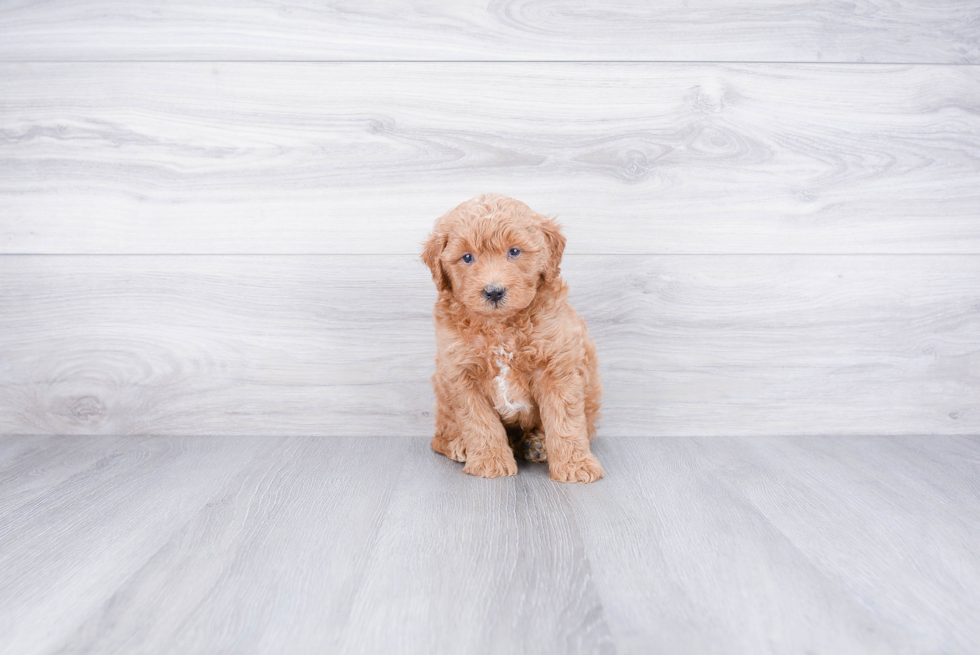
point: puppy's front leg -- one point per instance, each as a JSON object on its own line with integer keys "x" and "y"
{"x": 488, "y": 453}
{"x": 561, "y": 401}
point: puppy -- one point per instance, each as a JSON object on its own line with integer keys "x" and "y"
{"x": 515, "y": 366}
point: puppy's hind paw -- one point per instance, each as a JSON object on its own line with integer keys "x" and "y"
{"x": 587, "y": 469}
{"x": 531, "y": 447}
{"x": 491, "y": 464}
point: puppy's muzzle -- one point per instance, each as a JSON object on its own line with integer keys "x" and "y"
{"x": 494, "y": 294}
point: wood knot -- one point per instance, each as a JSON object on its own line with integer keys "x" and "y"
{"x": 86, "y": 409}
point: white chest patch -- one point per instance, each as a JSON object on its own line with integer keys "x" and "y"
{"x": 506, "y": 404}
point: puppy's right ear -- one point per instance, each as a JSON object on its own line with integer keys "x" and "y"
{"x": 432, "y": 258}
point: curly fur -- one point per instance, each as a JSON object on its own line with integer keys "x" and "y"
{"x": 519, "y": 374}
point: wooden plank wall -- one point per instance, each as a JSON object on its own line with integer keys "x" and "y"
{"x": 210, "y": 214}
{"x": 895, "y": 31}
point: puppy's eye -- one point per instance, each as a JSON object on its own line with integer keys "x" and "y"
{"x": 514, "y": 252}
{"x": 467, "y": 258}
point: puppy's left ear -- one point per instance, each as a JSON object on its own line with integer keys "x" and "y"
{"x": 555, "y": 243}
{"x": 431, "y": 255}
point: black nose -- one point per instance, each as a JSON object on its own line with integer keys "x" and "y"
{"x": 494, "y": 294}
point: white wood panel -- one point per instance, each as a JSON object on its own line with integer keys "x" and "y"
{"x": 943, "y": 31}
{"x": 361, "y": 158}
{"x": 377, "y": 545}
{"x": 688, "y": 345}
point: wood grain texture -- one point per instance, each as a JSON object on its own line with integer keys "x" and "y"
{"x": 98, "y": 527}
{"x": 467, "y": 566}
{"x": 29, "y": 467}
{"x": 269, "y": 564}
{"x": 830, "y": 544}
{"x": 201, "y": 538}
{"x": 361, "y": 158}
{"x": 307, "y": 345}
{"x": 946, "y": 31}
{"x": 366, "y": 545}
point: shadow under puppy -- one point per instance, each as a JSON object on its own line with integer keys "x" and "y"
{"x": 515, "y": 366}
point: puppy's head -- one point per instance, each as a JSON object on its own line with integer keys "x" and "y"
{"x": 492, "y": 253}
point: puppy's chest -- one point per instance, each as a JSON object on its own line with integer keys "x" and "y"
{"x": 510, "y": 386}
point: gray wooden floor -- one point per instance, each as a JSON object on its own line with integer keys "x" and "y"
{"x": 377, "y": 545}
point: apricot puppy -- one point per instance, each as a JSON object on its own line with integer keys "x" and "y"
{"x": 515, "y": 366}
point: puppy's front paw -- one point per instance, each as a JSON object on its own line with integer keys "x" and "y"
{"x": 451, "y": 448}
{"x": 587, "y": 469}
{"x": 491, "y": 464}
